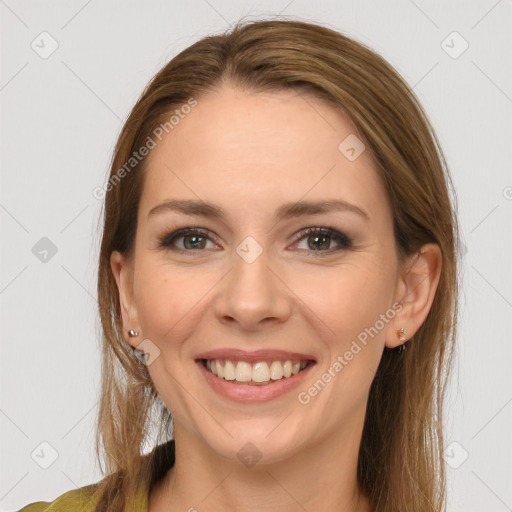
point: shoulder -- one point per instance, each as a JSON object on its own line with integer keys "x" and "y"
{"x": 75, "y": 500}
{"x": 84, "y": 499}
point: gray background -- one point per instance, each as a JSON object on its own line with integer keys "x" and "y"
{"x": 59, "y": 121}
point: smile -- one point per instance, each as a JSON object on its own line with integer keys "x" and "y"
{"x": 254, "y": 377}
{"x": 259, "y": 373}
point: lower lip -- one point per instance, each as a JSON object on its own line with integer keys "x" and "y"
{"x": 253, "y": 393}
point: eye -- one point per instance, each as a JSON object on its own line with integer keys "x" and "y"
{"x": 192, "y": 239}
{"x": 320, "y": 239}
{"x": 317, "y": 239}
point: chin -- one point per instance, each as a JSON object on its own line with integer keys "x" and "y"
{"x": 256, "y": 445}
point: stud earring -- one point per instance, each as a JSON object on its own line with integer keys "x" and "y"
{"x": 401, "y": 336}
{"x": 139, "y": 354}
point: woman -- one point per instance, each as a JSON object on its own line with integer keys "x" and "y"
{"x": 278, "y": 282}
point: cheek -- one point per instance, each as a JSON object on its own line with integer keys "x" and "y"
{"x": 168, "y": 300}
{"x": 347, "y": 298}
{"x": 347, "y": 302}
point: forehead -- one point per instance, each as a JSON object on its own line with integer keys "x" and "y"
{"x": 248, "y": 148}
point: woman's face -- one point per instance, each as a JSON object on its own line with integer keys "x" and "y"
{"x": 253, "y": 287}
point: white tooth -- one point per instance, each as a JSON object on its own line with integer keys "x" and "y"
{"x": 260, "y": 372}
{"x": 243, "y": 372}
{"x": 276, "y": 370}
{"x": 229, "y": 371}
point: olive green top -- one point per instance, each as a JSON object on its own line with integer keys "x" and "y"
{"x": 81, "y": 500}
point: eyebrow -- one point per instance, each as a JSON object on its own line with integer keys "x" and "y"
{"x": 286, "y": 211}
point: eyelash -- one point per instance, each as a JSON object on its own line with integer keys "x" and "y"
{"x": 345, "y": 242}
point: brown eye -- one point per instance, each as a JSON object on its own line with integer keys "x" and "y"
{"x": 320, "y": 240}
{"x": 193, "y": 239}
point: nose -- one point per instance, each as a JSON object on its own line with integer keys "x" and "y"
{"x": 253, "y": 295}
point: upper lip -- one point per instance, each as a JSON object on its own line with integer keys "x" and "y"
{"x": 254, "y": 356}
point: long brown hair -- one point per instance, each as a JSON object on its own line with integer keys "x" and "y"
{"x": 400, "y": 464}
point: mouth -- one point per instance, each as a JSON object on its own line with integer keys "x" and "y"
{"x": 258, "y": 373}
{"x": 254, "y": 377}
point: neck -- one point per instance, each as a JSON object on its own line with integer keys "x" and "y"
{"x": 321, "y": 477}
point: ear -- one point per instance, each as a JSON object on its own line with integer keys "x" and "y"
{"x": 122, "y": 268}
{"x": 415, "y": 291}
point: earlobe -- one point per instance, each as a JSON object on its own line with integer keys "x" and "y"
{"x": 417, "y": 288}
{"x": 122, "y": 269}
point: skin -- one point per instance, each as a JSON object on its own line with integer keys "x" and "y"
{"x": 250, "y": 153}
